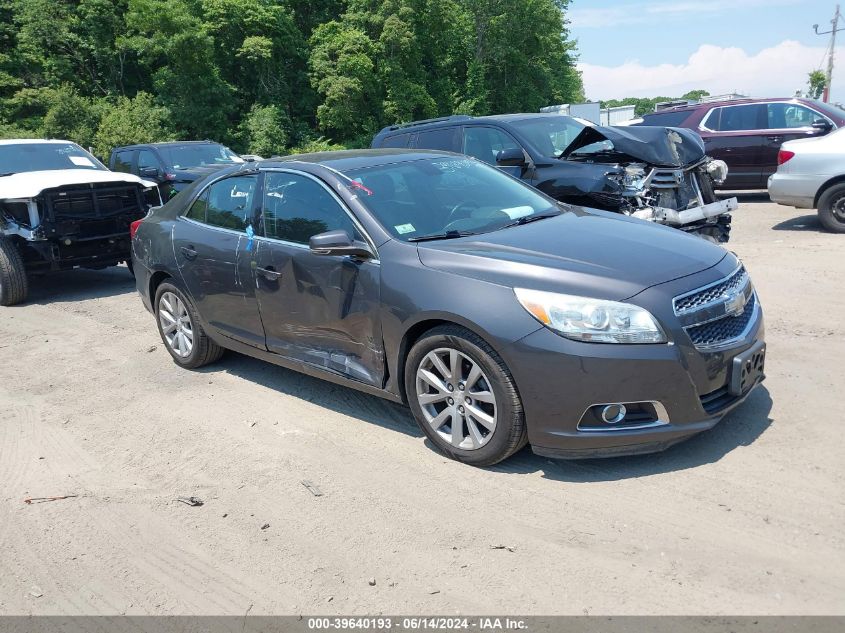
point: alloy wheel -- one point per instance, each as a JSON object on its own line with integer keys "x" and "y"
{"x": 176, "y": 325}
{"x": 456, "y": 398}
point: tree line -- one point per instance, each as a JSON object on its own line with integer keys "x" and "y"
{"x": 273, "y": 76}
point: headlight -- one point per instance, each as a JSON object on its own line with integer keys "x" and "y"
{"x": 591, "y": 320}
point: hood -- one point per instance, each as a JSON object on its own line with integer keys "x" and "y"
{"x": 190, "y": 174}
{"x": 593, "y": 254}
{"x": 30, "y": 184}
{"x": 657, "y": 146}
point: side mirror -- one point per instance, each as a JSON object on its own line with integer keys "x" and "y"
{"x": 149, "y": 172}
{"x": 822, "y": 126}
{"x": 339, "y": 243}
{"x": 513, "y": 157}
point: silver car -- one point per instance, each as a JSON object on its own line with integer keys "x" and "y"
{"x": 811, "y": 175}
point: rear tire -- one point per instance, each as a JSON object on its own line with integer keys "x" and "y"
{"x": 832, "y": 209}
{"x": 14, "y": 286}
{"x": 181, "y": 329}
{"x": 464, "y": 397}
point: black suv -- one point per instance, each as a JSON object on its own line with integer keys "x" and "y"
{"x": 659, "y": 174}
{"x": 172, "y": 165}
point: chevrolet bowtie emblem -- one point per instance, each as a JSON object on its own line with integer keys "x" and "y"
{"x": 735, "y": 304}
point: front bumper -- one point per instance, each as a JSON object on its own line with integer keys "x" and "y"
{"x": 561, "y": 380}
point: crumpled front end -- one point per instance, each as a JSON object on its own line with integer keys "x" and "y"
{"x": 657, "y": 174}
{"x": 78, "y": 225}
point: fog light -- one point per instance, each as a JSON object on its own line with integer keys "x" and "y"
{"x": 613, "y": 413}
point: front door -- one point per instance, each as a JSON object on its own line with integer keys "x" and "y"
{"x": 319, "y": 309}
{"x": 214, "y": 250}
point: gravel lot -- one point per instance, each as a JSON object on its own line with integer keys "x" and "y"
{"x": 744, "y": 519}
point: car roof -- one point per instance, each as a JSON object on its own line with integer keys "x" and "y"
{"x": 166, "y": 144}
{"x": 40, "y": 141}
{"x": 463, "y": 119}
{"x": 728, "y": 102}
{"x": 345, "y": 160}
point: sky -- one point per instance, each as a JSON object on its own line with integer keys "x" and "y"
{"x": 648, "y": 48}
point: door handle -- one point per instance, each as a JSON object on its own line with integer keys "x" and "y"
{"x": 189, "y": 252}
{"x": 775, "y": 139}
{"x": 269, "y": 273}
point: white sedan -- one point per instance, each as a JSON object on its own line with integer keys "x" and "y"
{"x": 811, "y": 175}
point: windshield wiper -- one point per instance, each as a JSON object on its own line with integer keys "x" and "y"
{"x": 8, "y": 173}
{"x": 448, "y": 235}
{"x": 528, "y": 219}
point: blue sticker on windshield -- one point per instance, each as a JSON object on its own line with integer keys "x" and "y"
{"x": 251, "y": 235}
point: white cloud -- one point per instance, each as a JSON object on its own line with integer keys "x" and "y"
{"x": 773, "y": 72}
{"x": 642, "y": 12}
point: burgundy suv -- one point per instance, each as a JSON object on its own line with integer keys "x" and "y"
{"x": 747, "y": 133}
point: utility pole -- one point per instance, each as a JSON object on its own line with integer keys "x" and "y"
{"x": 833, "y": 31}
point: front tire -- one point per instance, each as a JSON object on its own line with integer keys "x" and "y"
{"x": 464, "y": 397}
{"x": 181, "y": 330}
{"x": 14, "y": 286}
{"x": 832, "y": 209}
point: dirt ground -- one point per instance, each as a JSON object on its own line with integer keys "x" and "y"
{"x": 744, "y": 519}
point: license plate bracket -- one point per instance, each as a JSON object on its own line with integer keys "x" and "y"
{"x": 747, "y": 369}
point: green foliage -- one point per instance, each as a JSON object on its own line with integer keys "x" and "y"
{"x": 129, "y": 121}
{"x": 264, "y": 75}
{"x": 266, "y": 131}
{"x": 816, "y": 83}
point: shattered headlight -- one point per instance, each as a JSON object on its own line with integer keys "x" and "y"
{"x": 718, "y": 171}
{"x": 591, "y": 320}
{"x": 633, "y": 178}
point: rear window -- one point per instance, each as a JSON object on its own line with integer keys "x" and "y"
{"x": 399, "y": 141}
{"x": 447, "y": 139}
{"x": 123, "y": 161}
{"x": 669, "y": 119}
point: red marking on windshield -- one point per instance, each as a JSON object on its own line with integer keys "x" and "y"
{"x": 354, "y": 184}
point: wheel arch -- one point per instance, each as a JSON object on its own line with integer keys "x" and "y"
{"x": 836, "y": 180}
{"x": 156, "y": 279}
{"x": 424, "y": 325}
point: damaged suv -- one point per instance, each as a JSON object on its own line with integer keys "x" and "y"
{"x": 660, "y": 174}
{"x": 60, "y": 208}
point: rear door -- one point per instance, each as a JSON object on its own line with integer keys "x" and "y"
{"x": 319, "y": 309}
{"x": 786, "y": 121}
{"x": 214, "y": 251}
{"x": 737, "y": 134}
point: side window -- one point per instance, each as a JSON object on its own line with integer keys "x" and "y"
{"x": 398, "y": 141}
{"x": 446, "y": 139}
{"x": 784, "y": 116}
{"x": 147, "y": 160}
{"x": 736, "y": 118}
{"x": 198, "y": 208}
{"x": 228, "y": 202}
{"x": 123, "y": 161}
{"x": 485, "y": 143}
{"x": 297, "y": 208}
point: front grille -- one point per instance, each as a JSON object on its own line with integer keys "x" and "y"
{"x": 711, "y": 294}
{"x": 667, "y": 179}
{"x": 724, "y": 329}
{"x": 94, "y": 201}
{"x": 718, "y": 400}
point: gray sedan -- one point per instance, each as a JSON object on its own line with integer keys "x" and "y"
{"x": 811, "y": 175}
{"x": 499, "y": 315}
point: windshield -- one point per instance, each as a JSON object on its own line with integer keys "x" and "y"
{"x": 549, "y": 135}
{"x": 198, "y": 155}
{"x": 22, "y": 157}
{"x": 422, "y": 198}
{"x": 830, "y": 110}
